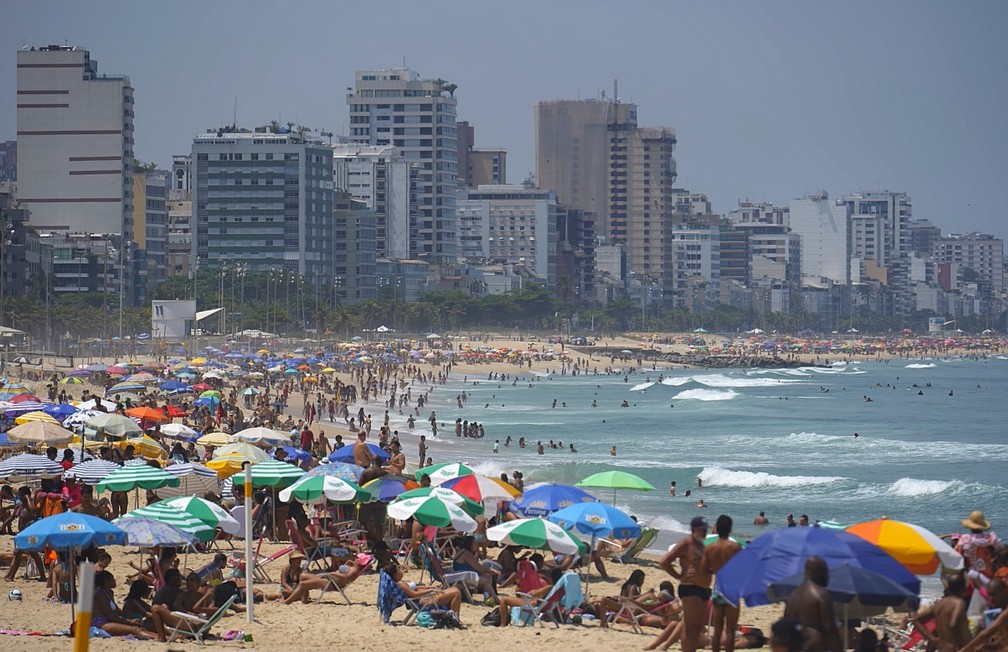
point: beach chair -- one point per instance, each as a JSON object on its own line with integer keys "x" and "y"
{"x": 633, "y": 614}
{"x": 316, "y": 558}
{"x": 259, "y": 570}
{"x": 551, "y": 608}
{"x": 528, "y": 577}
{"x": 464, "y": 580}
{"x": 195, "y": 626}
{"x": 631, "y": 552}
{"x": 332, "y": 585}
{"x": 391, "y": 597}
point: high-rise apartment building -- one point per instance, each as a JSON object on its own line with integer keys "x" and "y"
{"x": 642, "y": 190}
{"x": 150, "y": 221}
{"x": 980, "y": 252}
{"x": 478, "y": 167}
{"x": 74, "y": 142}
{"x": 823, "y": 227}
{"x": 379, "y": 176}
{"x": 178, "y": 227}
{"x": 880, "y": 243}
{"x": 417, "y": 116}
{"x": 264, "y": 199}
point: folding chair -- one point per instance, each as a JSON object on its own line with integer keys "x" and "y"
{"x": 631, "y": 552}
{"x": 316, "y": 557}
{"x": 196, "y": 627}
{"x": 391, "y": 597}
{"x": 464, "y": 580}
{"x": 332, "y": 585}
{"x": 259, "y": 570}
{"x": 632, "y": 613}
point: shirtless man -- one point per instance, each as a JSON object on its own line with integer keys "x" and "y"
{"x": 361, "y": 453}
{"x": 694, "y": 583}
{"x": 761, "y": 519}
{"x": 397, "y": 463}
{"x": 716, "y": 555}
{"x": 951, "y": 630}
{"x": 812, "y": 605}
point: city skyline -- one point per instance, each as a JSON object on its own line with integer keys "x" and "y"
{"x": 767, "y": 105}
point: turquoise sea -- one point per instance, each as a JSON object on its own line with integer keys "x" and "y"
{"x": 932, "y": 444}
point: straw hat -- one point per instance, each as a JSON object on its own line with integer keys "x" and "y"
{"x": 295, "y": 556}
{"x": 976, "y": 521}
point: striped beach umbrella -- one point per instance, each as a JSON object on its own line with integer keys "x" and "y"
{"x": 470, "y": 507}
{"x": 536, "y": 533}
{"x": 182, "y": 520}
{"x": 481, "y": 487}
{"x": 94, "y": 471}
{"x": 39, "y": 415}
{"x": 210, "y": 513}
{"x": 40, "y": 432}
{"x": 71, "y": 380}
{"x": 197, "y": 480}
{"x": 148, "y": 533}
{"x": 311, "y": 489}
{"x": 341, "y": 470}
{"x": 430, "y": 510}
{"x": 272, "y": 473}
{"x": 442, "y": 472}
{"x": 920, "y": 550}
{"x": 29, "y": 465}
{"x": 127, "y": 386}
{"x": 137, "y": 476}
{"x": 388, "y": 487}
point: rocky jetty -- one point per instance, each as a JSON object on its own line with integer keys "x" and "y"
{"x": 704, "y": 360}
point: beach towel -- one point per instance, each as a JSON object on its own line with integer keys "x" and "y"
{"x": 390, "y": 596}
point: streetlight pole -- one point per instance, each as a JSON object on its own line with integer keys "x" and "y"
{"x": 223, "y": 271}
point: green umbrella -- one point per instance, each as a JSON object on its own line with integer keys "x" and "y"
{"x": 272, "y": 473}
{"x": 431, "y": 510}
{"x": 312, "y": 488}
{"x": 137, "y": 476}
{"x": 439, "y": 473}
{"x": 616, "y": 480}
{"x": 537, "y": 533}
{"x": 174, "y": 517}
{"x": 470, "y": 507}
{"x": 711, "y": 538}
{"x": 210, "y": 513}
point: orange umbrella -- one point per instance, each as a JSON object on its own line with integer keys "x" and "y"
{"x": 917, "y": 548}
{"x": 145, "y": 413}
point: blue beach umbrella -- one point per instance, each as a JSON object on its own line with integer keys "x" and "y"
{"x": 780, "y": 554}
{"x": 148, "y": 533}
{"x": 548, "y": 498}
{"x": 590, "y": 521}
{"x": 865, "y": 592}
{"x": 345, "y": 454}
{"x": 69, "y": 530}
{"x": 341, "y": 470}
{"x": 295, "y": 454}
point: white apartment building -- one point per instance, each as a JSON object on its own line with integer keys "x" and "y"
{"x": 378, "y": 176}
{"x": 417, "y": 116}
{"x": 74, "y": 142}
{"x": 823, "y": 228}
{"x": 982, "y": 253}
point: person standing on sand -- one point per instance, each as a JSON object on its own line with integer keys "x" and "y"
{"x": 694, "y": 584}
{"x": 715, "y": 556}
{"x": 361, "y": 453}
{"x": 422, "y": 447}
{"x": 812, "y": 605}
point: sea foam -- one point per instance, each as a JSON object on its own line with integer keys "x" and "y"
{"x": 721, "y": 380}
{"x": 716, "y": 476}
{"x": 641, "y": 386}
{"x": 921, "y": 365}
{"x": 908, "y": 487}
{"x": 706, "y": 395}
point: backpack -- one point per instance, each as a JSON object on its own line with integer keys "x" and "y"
{"x": 445, "y": 620}
{"x": 492, "y": 619}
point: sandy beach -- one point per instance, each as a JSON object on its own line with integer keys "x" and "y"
{"x": 358, "y": 626}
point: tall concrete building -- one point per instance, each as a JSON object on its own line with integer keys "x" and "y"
{"x": 823, "y": 227}
{"x": 478, "y": 167}
{"x": 417, "y": 116}
{"x": 643, "y": 193}
{"x": 880, "y": 244}
{"x": 264, "y": 199}
{"x": 74, "y": 142}
{"x": 150, "y": 221}
{"x": 380, "y": 177}
{"x": 980, "y": 252}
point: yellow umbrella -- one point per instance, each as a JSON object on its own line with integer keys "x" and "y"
{"x": 328, "y": 369}
{"x": 40, "y": 432}
{"x": 145, "y": 446}
{"x": 214, "y": 439}
{"x": 29, "y": 417}
{"x": 198, "y": 361}
{"x": 228, "y": 465}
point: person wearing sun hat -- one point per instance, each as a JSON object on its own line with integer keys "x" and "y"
{"x": 978, "y": 545}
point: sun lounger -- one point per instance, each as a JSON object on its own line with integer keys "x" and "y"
{"x": 631, "y": 552}
{"x": 331, "y": 583}
{"x": 195, "y": 626}
{"x": 464, "y": 580}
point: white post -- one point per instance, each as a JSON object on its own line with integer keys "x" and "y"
{"x": 249, "y": 554}
{"x": 82, "y": 631}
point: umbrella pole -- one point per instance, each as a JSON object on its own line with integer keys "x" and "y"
{"x": 591, "y": 551}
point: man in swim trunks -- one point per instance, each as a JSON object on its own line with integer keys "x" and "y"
{"x": 694, "y": 584}
{"x": 715, "y": 556}
{"x": 812, "y": 605}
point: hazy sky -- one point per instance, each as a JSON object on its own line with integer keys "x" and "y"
{"x": 770, "y": 100}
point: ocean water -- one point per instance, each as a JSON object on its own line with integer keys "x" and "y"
{"x": 780, "y": 441}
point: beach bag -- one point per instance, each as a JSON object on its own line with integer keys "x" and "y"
{"x": 424, "y": 619}
{"x": 492, "y": 619}
{"x": 522, "y": 616}
{"x": 445, "y": 620}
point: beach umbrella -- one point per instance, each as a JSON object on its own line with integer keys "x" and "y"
{"x": 431, "y": 510}
{"x": 314, "y": 488}
{"x": 470, "y": 507}
{"x": 115, "y": 425}
{"x": 272, "y": 473}
{"x": 29, "y": 465}
{"x": 71, "y": 380}
{"x": 480, "y": 488}
{"x": 210, "y": 513}
{"x": 210, "y": 393}
{"x": 227, "y": 465}
{"x": 592, "y": 521}
{"x": 40, "y": 432}
{"x": 342, "y": 470}
{"x": 119, "y": 388}
{"x": 781, "y": 553}
{"x": 60, "y": 411}
{"x": 250, "y": 391}
{"x": 241, "y": 449}
{"x": 182, "y": 520}
{"x": 93, "y": 471}
{"x": 863, "y": 592}
{"x": 260, "y": 435}
{"x": 178, "y": 431}
{"x": 917, "y": 548}
{"x": 388, "y": 487}
{"x": 38, "y": 415}
{"x": 545, "y": 499}
{"x": 174, "y": 387}
{"x": 439, "y": 473}
{"x": 145, "y": 446}
{"x": 536, "y": 533}
{"x": 24, "y": 407}
{"x": 208, "y": 401}
{"x": 345, "y": 454}
{"x": 197, "y": 480}
{"x": 137, "y": 476}
{"x": 149, "y": 533}
{"x": 214, "y": 439}
{"x": 146, "y": 413}
{"x": 616, "y": 480}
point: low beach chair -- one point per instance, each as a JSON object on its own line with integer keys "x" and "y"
{"x": 464, "y": 580}
{"x": 556, "y": 607}
{"x": 316, "y": 557}
{"x": 332, "y": 585}
{"x": 391, "y": 597}
{"x": 631, "y": 552}
{"x": 195, "y": 626}
{"x": 633, "y": 614}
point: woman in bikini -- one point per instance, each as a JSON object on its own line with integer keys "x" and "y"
{"x": 106, "y": 613}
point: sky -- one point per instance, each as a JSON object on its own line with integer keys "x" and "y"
{"x": 770, "y": 100}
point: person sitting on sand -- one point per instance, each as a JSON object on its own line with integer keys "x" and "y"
{"x": 630, "y": 589}
{"x": 106, "y": 614}
{"x": 427, "y": 595}
{"x": 466, "y": 560}
{"x": 297, "y": 584}
{"x": 508, "y": 601}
